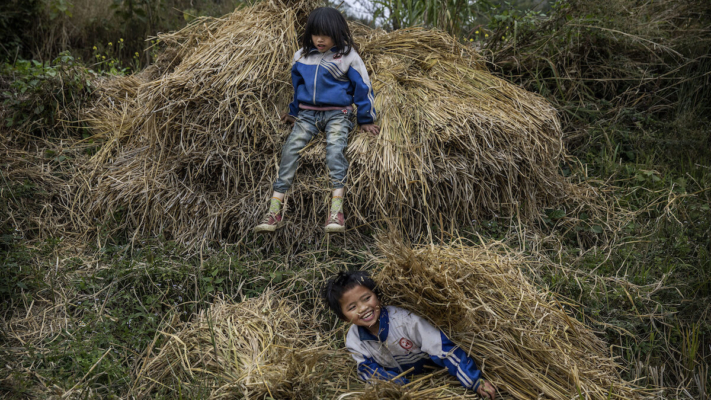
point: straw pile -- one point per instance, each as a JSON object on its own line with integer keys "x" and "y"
{"x": 261, "y": 347}
{"x": 524, "y": 340}
{"x": 267, "y": 347}
{"x": 194, "y": 152}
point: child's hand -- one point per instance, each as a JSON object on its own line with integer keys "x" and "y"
{"x": 287, "y": 119}
{"x": 486, "y": 390}
{"x": 370, "y": 128}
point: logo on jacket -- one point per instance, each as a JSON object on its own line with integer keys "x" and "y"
{"x": 337, "y": 56}
{"x": 405, "y": 344}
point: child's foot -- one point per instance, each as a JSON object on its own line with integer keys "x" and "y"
{"x": 273, "y": 219}
{"x": 336, "y": 222}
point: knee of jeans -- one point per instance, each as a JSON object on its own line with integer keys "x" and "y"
{"x": 298, "y": 138}
{"x": 339, "y": 133}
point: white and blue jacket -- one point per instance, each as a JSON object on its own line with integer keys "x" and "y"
{"x": 330, "y": 79}
{"x": 406, "y": 340}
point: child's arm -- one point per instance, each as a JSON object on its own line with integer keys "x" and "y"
{"x": 368, "y": 368}
{"x": 445, "y": 353}
{"x": 363, "y": 95}
{"x": 296, "y": 80}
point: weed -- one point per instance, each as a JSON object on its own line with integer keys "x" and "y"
{"x": 20, "y": 277}
{"x": 43, "y": 95}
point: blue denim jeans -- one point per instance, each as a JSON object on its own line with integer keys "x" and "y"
{"x": 309, "y": 123}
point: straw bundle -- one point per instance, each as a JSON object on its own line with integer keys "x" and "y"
{"x": 525, "y": 342}
{"x": 261, "y": 347}
{"x": 202, "y": 140}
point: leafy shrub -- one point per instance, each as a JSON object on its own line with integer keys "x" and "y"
{"x": 38, "y": 96}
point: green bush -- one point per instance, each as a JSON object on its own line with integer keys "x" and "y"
{"x": 38, "y": 96}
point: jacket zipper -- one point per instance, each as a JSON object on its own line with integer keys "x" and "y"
{"x": 392, "y": 357}
{"x": 316, "y": 75}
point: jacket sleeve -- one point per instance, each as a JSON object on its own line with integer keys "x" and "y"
{"x": 368, "y": 369}
{"x": 296, "y": 81}
{"x": 367, "y": 366}
{"x": 445, "y": 353}
{"x": 363, "y": 95}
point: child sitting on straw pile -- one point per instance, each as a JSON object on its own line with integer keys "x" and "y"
{"x": 388, "y": 342}
{"x": 328, "y": 76}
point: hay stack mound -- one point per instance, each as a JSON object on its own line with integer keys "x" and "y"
{"x": 260, "y": 348}
{"x": 524, "y": 340}
{"x": 194, "y": 152}
{"x": 267, "y": 347}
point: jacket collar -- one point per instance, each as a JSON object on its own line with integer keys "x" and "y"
{"x": 364, "y": 333}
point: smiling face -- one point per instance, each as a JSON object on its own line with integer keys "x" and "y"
{"x": 361, "y": 307}
{"x": 322, "y": 43}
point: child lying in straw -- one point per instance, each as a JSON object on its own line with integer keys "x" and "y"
{"x": 387, "y": 341}
{"x": 328, "y": 76}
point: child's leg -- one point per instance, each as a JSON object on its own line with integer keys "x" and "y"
{"x": 338, "y": 125}
{"x": 337, "y": 128}
{"x": 302, "y": 133}
{"x": 304, "y": 130}
{"x": 337, "y": 201}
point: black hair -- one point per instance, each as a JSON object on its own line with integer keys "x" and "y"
{"x": 343, "y": 282}
{"x": 329, "y": 22}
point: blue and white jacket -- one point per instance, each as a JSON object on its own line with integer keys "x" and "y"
{"x": 330, "y": 79}
{"x": 406, "y": 340}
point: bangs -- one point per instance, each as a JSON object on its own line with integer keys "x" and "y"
{"x": 324, "y": 23}
{"x": 327, "y": 21}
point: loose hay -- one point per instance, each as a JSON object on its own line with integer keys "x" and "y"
{"x": 526, "y": 344}
{"x": 267, "y": 347}
{"x": 195, "y": 152}
{"x": 261, "y": 347}
{"x": 521, "y": 337}
{"x": 37, "y": 186}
